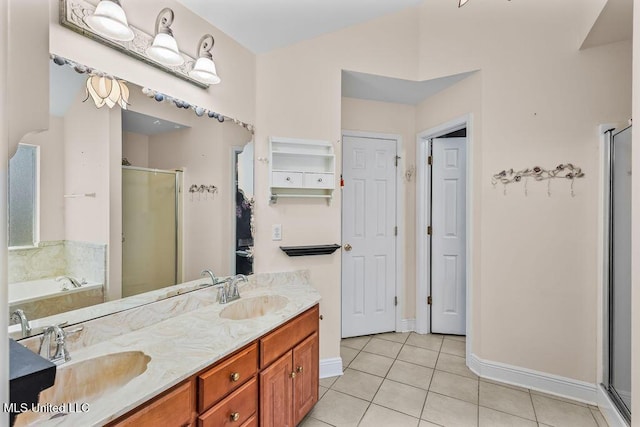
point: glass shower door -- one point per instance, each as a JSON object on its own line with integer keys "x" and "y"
{"x": 619, "y": 378}
{"x": 149, "y": 225}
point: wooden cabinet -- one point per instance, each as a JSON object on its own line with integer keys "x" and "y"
{"x": 175, "y": 407}
{"x": 272, "y": 382}
{"x": 226, "y": 376}
{"x": 234, "y": 409}
{"x": 289, "y": 386}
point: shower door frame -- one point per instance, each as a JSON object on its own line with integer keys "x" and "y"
{"x": 178, "y": 215}
{"x": 607, "y": 337}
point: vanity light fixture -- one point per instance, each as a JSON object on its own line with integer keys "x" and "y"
{"x": 204, "y": 70}
{"x": 462, "y": 2}
{"x": 110, "y": 21}
{"x": 164, "y": 48}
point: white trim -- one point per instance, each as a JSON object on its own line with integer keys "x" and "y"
{"x": 534, "y": 380}
{"x": 331, "y": 367}
{"x": 422, "y": 209}
{"x": 400, "y": 211}
{"x": 608, "y": 409}
{"x": 234, "y": 166}
{"x": 406, "y": 325}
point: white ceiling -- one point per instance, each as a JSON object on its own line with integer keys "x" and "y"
{"x": 147, "y": 125}
{"x": 387, "y": 89}
{"x": 264, "y": 25}
{"x": 614, "y": 24}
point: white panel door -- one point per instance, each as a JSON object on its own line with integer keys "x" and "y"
{"x": 368, "y": 236}
{"x": 448, "y": 205}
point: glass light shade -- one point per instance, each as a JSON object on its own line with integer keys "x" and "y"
{"x": 110, "y": 21}
{"x": 165, "y": 50}
{"x": 204, "y": 70}
{"x": 462, "y": 2}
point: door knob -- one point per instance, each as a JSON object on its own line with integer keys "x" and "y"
{"x": 348, "y": 247}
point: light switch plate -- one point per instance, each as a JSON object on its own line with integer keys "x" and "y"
{"x": 276, "y": 232}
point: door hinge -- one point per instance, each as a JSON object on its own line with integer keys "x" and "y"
{"x": 429, "y": 231}
{"x": 395, "y": 230}
{"x": 430, "y": 160}
{"x": 429, "y": 300}
{"x": 397, "y": 158}
{"x": 395, "y": 300}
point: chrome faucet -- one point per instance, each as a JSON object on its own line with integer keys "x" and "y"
{"x": 19, "y": 316}
{"x": 74, "y": 282}
{"x": 56, "y": 333}
{"x": 214, "y": 279}
{"x": 234, "y": 292}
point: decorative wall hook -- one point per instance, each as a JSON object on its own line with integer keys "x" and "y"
{"x": 564, "y": 170}
{"x": 408, "y": 174}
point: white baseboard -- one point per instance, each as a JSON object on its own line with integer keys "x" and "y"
{"x": 407, "y": 325}
{"x": 609, "y": 411}
{"x": 535, "y": 380}
{"x": 331, "y": 367}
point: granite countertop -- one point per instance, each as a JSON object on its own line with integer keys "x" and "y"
{"x": 182, "y": 345}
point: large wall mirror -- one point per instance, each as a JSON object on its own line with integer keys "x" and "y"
{"x": 109, "y": 203}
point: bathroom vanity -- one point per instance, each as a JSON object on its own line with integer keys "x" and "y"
{"x": 272, "y": 382}
{"x": 189, "y": 360}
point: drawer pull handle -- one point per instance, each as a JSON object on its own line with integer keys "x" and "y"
{"x": 235, "y": 377}
{"x": 234, "y": 416}
{"x": 319, "y": 179}
{"x": 292, "y": 374}
{"x": 289, "y": 178}
{"x": 299, "y": 369}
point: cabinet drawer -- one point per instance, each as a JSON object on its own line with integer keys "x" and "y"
{"x": 173, "y": 408}
{"x": 319, "y": 180}
{"x": 251, "y": 422}
{"x": 285, "y": 337}
{"x": 286, "y": 179}
{"x": 226, "y": 376}
{"x": 242, "y": 403}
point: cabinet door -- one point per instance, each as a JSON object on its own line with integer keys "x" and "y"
{"x": 305, "y": 384}
{"x": 175, "y": 408}
{"x": 276, "y": 394}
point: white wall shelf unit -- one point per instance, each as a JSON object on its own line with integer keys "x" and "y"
{"x": 301, "y": 168}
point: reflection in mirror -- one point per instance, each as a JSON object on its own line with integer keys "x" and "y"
{"x": 113, "y": 215}
{"x": 244, "y": 210}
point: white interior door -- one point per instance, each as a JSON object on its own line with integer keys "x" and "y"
{"x": 368, "y": 235}
{"x": 448, "y": 238}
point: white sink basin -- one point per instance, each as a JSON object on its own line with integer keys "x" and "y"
{"x": 88, "y": 380}
{"x": 249, "y": 308}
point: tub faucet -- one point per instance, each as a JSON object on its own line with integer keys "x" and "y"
{"x": 56, "y": 333}
{"x": 74, "y": 282}
{"x": 19, "y": 316}
{"x": 214, "y": 279}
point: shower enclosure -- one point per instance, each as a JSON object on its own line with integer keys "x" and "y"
{"x": 617, "y": 379}
{"x": 150, "y": 229}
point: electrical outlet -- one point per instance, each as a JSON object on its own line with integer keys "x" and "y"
{"x": 276, "y": 232}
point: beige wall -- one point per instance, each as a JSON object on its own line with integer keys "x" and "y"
{"x": 537, "y": 100}
{"x": 299, "y": 95}
{"x": 86, "y": 160}
{"x": 542, "y": 100}
{"x": 135, "y": 148}
{"x": 51, "y": 143}
{"x": 399, "y": 119}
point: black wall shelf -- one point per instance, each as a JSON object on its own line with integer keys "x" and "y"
{"x": 309, "y": 250}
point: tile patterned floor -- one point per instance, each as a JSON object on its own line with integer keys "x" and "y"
{"x": 412, "y": 380}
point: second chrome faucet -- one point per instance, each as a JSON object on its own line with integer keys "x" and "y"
{"x": 227, "y": 288}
